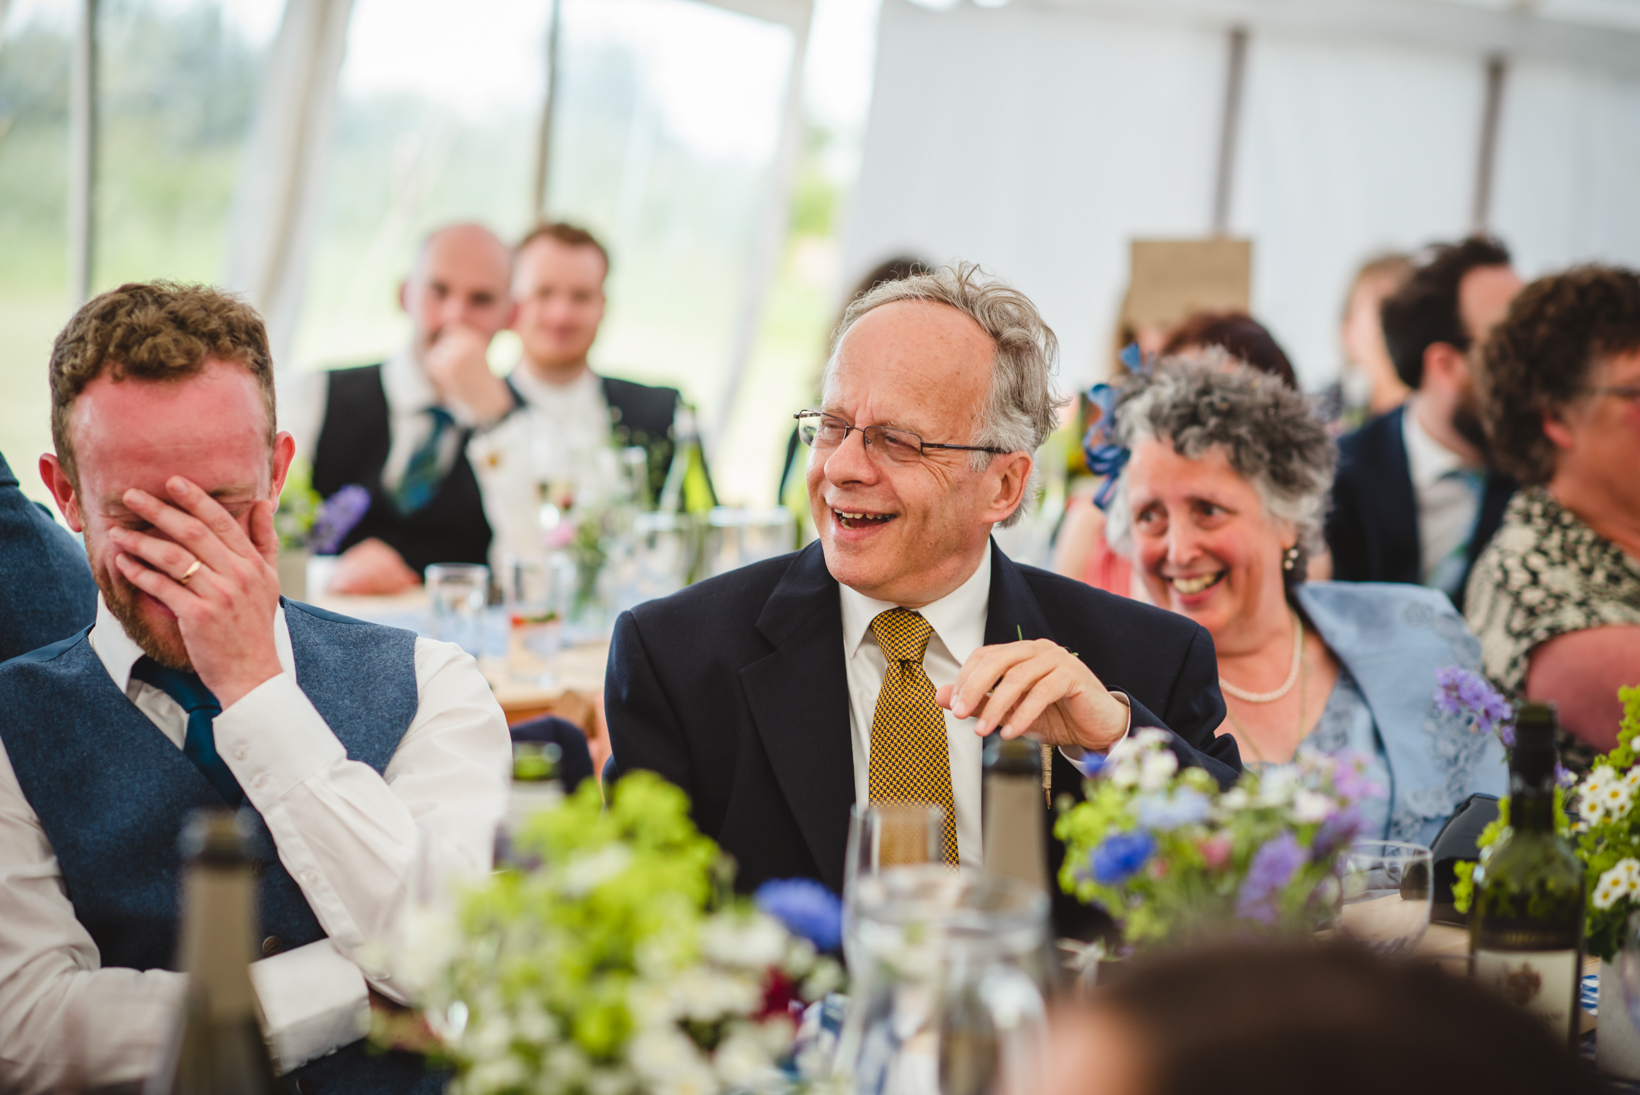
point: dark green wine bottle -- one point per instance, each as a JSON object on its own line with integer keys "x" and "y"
{"x": 218, "y": 1048}
{"x": 1526, "y": 927}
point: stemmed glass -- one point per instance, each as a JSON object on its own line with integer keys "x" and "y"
{"x": 882, "y": 836}
{"x": 1386, "y": 896}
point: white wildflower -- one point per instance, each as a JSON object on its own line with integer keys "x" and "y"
{"x": 661, "y": 1052}
{"x": 566, "y": 1064}
{"x": 1124, "y": 773}
{"x": 752, "y": 941}
{"x": 1234, "y": 799}
{"x": 495, "y": 1074}
{"x": 585, "y": 873}
{"x": 743, "y": 1063}
{"x": 610, "y": 1081}
{"x": 1151, "y": 735}
{"x": 1156, "y": 769}
{"x": 1276, "y": 787}
{"x": 1617, "y": 799}
{"x": 706, "y": 995}
{"x": 825, "y": 979}
{"x": 1310, "y": 807}
{"x": 1610, "y": 888}
{"x": 1631, "y": 778}
{"x": 534, "y": 1024}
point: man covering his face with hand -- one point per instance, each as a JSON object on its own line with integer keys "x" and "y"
{"x": 198, "y": 686}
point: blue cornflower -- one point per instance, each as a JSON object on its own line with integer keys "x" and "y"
{"x": 1273, "y": 867}
{"x": 1335, "y": 832}
{"x": 1163, "y": 812}
{"x": 1119, "y": 856}
{"x": 806, "y": 907}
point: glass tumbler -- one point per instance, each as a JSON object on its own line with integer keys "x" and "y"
{"x": 456, "y": 596}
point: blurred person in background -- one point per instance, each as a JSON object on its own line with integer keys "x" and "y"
{"x": 1369, "y": 385}
{"x": 400, "y": 428}
{"x": 1292, "y": 1018}
{"x": 1555, "y": 598}
{"x": 1416, "y": 499}
{"x": 793, "y": 490}
{"x": 1081, "y": 551}
{"x": 46, "y": 589}
{"x": 1220, "y": 506}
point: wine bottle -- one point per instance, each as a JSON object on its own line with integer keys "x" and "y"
{"x": 218, "y": 1048}
{"x": 1526, "y": 927}
{"x": 1015, "y": 828}
{"x": 688, "y": 489}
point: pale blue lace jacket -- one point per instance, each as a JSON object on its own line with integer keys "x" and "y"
{"x": 1391, "y": 639}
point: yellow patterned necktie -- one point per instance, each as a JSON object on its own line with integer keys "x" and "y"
{"x": 909, "y": 758}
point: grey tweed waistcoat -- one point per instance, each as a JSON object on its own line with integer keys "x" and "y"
{"x": 112, "y": 793}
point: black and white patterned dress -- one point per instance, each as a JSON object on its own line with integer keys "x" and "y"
{"x": 1546, "y": 573}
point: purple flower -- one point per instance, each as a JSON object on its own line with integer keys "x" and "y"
{"x": 806, "y": 908}
{"x": 1273, "y": 867}
{"x": 1460, "y": 692}
{"x": 1350, "y": 779}
{"x": 338, "y": 515}
{"x": 1563, "y": 778}
{"x": 1335, "y": 832}
{"x": 1119, "y": 856}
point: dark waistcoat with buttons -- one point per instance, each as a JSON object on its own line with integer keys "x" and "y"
{"x": 112, "y": 793}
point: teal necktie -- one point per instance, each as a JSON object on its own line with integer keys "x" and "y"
{"x": 421, "y": 475}
{"x": 199, "y": 745}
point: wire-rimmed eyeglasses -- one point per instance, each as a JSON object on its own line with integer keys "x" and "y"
{"x": 825, "y": 432}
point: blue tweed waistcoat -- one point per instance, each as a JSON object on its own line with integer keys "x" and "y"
{"x": 112, "y": 793}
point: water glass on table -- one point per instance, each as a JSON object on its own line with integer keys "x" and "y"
{"x": 882, "y": 836}
{"x": 1385, "y": 901}
{"x": 456, "y": 596}
{"x": 535, "y": 595}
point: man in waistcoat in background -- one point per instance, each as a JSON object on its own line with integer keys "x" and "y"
{"x": 400, "y": 428}
{"x": 197, "y": 686}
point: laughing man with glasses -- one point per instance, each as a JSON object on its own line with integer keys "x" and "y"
{"x": 871, "y": 665}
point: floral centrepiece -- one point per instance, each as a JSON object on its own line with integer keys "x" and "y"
{"x": 621, "y": 963}
{"x": 1598, "y": 814}
{"x": 1164, "y": 850}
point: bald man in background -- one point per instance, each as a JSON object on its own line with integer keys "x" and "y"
{"x": 400, "y": 428}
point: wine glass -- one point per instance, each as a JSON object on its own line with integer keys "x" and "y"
{"x": 881, "y": 836}
{"x": 1386, "y": 896}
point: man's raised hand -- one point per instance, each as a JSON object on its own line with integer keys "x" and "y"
{"x": 225, "y": 607}
{"x": 1038, "y": 688}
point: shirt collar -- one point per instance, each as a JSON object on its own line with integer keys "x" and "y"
{"x": 1427, "y": 459}
{"x": 586, "y": 385}
{"x": 406, "y": 385}
{"x": 119, "y": 652}
{"x": 958, "y": 618}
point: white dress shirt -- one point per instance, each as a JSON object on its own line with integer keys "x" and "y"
{"x": 302, "y": 403}
{"x": 958, "y": 620}
{"x": 346, "y": 835}
{"x": 559, "y": 439}
{"x": 1448, "y": 505}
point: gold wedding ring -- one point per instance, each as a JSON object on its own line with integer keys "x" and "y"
{"x": 189, "y": 573}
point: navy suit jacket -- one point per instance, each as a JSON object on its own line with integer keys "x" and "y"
{"x": 1372, "y": 527}
{"x": 46, "y": 589}
{"x": 736, "y": 690}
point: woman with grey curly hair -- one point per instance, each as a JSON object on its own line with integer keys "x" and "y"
{"x": 1219, "y": 506}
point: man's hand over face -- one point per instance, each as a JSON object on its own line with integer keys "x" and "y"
{"x": 460, "y": 371}
{"x": 225, "y": 607}
{"x": 370, "y": 568}
{"x": 1037, "y": 688}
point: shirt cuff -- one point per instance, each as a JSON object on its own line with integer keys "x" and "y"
{"x": 313, "y": 1001}
{"x": 1089, "y": 763}
{"x": 273, "y": 739}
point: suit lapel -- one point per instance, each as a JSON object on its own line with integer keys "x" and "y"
{"x": 1012, "y": 613}
{"x": 798, "y": 697}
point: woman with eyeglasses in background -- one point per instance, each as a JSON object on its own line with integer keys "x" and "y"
{"x": 1555, "y": 598}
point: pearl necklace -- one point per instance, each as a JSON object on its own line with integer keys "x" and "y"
{"x": 1292, "y": 674}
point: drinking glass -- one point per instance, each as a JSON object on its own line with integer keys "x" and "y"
{"x": 1386, "y": 896}
{"x": 737, "y": 536}
{"x": 456, "y": 596}
{"x": 535, "y": 597}
{"x": 947, "y": 996}
{"x": 661, "y": 548}
{"x": 885, "y": 835}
